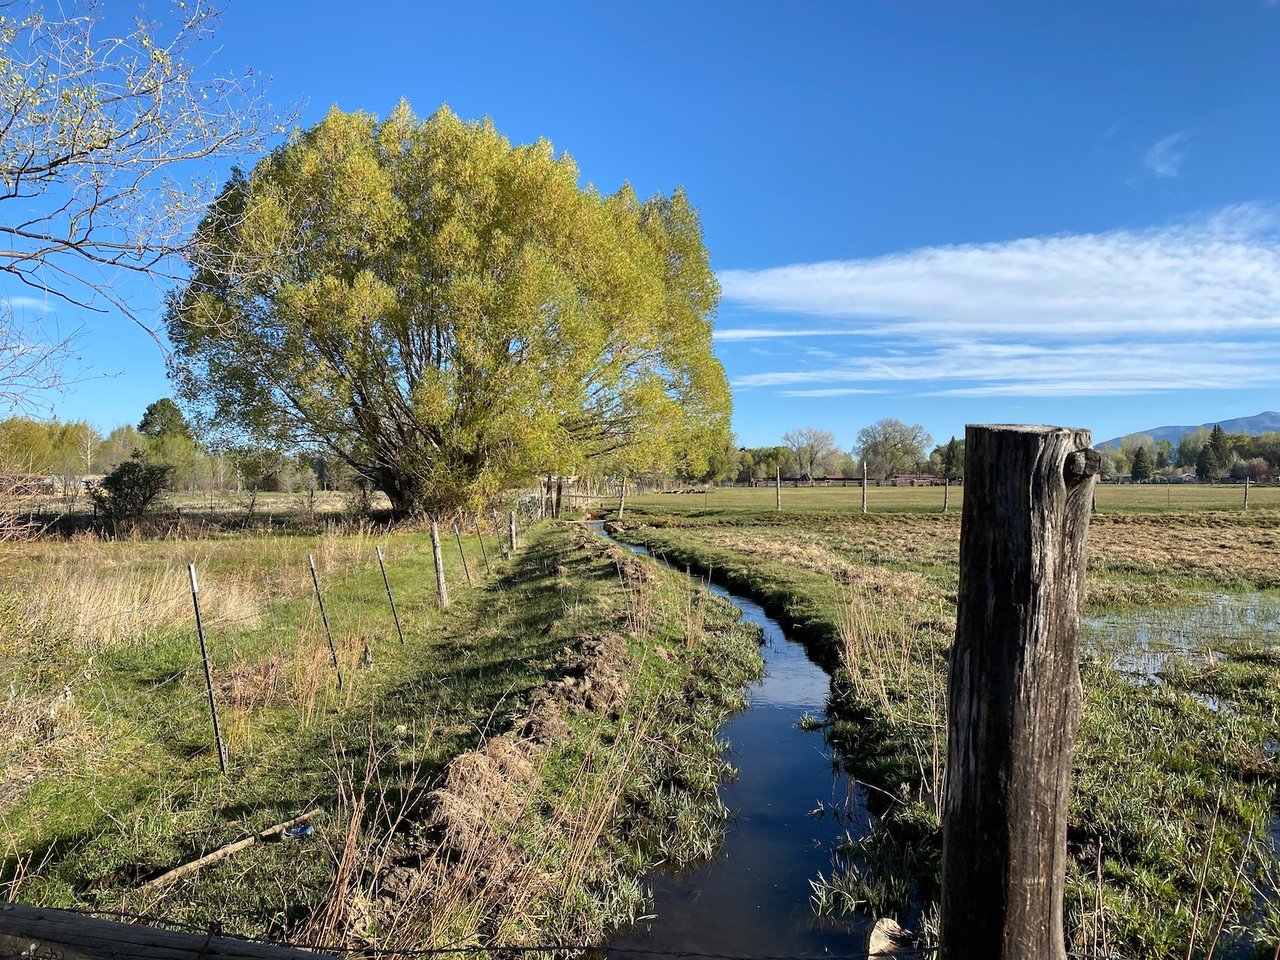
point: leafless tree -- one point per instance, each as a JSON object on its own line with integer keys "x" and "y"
{"x": 102, "y": 134}
{"x": 811, "y": 450}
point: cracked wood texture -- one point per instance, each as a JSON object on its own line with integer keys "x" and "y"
{"x": 46, "y": 932}
{"x": 1014, "y": 691}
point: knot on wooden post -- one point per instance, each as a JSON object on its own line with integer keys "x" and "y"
{"x": 1082, "y": 465}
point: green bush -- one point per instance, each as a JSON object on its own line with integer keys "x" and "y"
{"x": 131, "y": 489}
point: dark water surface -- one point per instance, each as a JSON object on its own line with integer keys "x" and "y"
{"x": 790, "y": 807}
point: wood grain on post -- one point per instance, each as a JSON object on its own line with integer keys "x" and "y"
{"x": 1014, "y": 691}
{"x": 777, "y": 490}
{"x": 622, "y": 498}
{"x": 46, "y": 932}
{"x": 437, "y": 556}
{"x": 864, "y": 486}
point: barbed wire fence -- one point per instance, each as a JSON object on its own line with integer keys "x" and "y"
{"x": 109, "y": 722}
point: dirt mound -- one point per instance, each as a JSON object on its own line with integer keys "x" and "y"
{"x": 466, "y": 851}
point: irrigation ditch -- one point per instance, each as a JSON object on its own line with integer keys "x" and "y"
{"x": 1173, "y": 829}
{"x": 792, "y": 807}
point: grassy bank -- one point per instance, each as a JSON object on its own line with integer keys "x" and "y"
{"x": 1175, "y": 788}
{"x": 110, "y": 778}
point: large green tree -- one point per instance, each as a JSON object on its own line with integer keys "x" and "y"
{"x": 163, "y": 418}
{"x": 890, "y": 446}
{"x": 1140, "y": 468}
{"x": 449, "y": 313}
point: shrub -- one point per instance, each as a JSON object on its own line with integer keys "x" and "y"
{"x": 131, "y": 489}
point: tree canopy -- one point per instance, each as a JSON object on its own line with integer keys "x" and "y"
{"x": 1141, "y": 467}
{"x": 449, "y": 313}
{"x": 162, "y": 418}
{"x": 890, "y": 446}
{"x": 811, "y": 450}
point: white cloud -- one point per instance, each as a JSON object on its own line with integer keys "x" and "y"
{"x": 1182, "y": 278}
{"x": 772, "y": 333}
{"x": 1126, "y": 312}
{"x": 828, "y": 392}
{"x": 38, "y": 304}
{"x": 1038, "y": 370}
{"x": 1164, "y": 158}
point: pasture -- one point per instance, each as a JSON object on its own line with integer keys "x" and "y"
{"x": 1174, "y": 809}
{"x": 1111, "y": 498}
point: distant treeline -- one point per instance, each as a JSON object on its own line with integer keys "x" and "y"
{"x": 1210, "y": 454}
{"x": 68, "y": 452}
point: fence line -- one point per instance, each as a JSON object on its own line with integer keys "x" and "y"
{"x": 116, "y": 718}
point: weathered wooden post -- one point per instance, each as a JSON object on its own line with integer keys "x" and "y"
{"x": 437, "y": 557}
{"x": 864, "y": 486}
{"x": 1014, "y": 691}
{"x": 777, "y": 490}
{"x": 622, "y": 498}
{"x": 946, "y": 493}
{"x": 511, "y": 529}
{"x": 208, "y": 672}
{"x": 559, "y": 497}
{"x": 1246, "y": 493}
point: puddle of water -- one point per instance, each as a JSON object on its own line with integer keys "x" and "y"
{"x": 1143, "y": 642}
{"x": 753, "y": 898}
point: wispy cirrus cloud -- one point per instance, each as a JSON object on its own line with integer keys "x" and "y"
{"x": 1164, "y": 158}
{"x": 36, "y": 304}
{"x": 1124, "y": 312}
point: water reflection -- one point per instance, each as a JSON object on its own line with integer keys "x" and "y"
{"x": 753, "y": 898}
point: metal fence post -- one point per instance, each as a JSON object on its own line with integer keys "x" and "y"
{"x": 208, "y": 672}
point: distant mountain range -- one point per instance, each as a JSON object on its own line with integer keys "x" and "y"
{"x": 1260, "y": 423}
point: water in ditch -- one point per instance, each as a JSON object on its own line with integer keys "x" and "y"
{"x": 791, "y": 806}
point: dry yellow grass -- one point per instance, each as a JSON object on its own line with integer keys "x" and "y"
{"x": 100, "y": 607}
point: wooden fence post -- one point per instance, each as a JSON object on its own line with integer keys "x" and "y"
{"x": 864, "y": 486}
{"x": 437, "y": 556}
{"x": 946, "y": 493}
{"x": 208, "y": 672}
{"x": 777, "y": 490}
{"x": 511, "y": 529}
{"x": 1014, "y": 691}
{"x": 1246, "y": 493}
{"x": 622, "y": 498}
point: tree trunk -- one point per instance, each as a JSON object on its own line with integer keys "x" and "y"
{"x": 1014, "y": 691}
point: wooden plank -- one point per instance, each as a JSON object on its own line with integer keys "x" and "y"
{"x": 45, "y": 932}
{"x": 1014, "y": 691}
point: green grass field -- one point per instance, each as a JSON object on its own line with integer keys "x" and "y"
{"x": 1112, "y": 498}
{"x": 1173, "y": 771}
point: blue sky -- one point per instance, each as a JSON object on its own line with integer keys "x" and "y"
{"x": 944, "y": 212}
